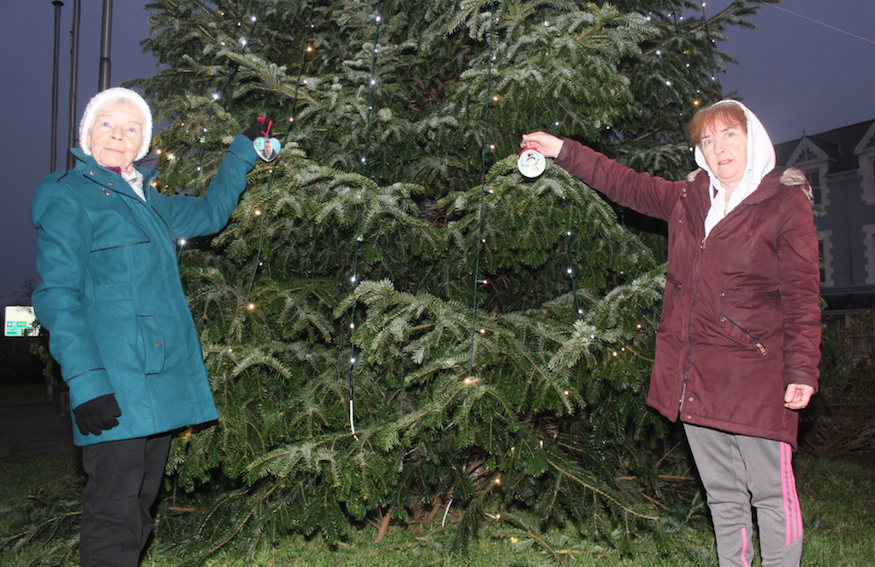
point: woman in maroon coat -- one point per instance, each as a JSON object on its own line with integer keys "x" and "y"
{"x": 738, "y": 343}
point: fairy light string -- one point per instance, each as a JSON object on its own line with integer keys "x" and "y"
{"x": 679, "y": 106}
{"x": 710, "y": 44}
{"x": 372, "y": 81}
{"x": 693, "y": 81}
{"x": 570, "y": 269}
{"x": 483, "y": 190}
{"x": 668, "y": 82}
{"x": 216, "y": 96}
{"x": 221, "y": 91}
{"x": 291, "y": 120}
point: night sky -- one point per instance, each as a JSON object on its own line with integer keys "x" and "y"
{"x": 798, "y": 75}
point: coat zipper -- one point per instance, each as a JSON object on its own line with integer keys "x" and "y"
{"x": 756, "y": 341}
{"x": 699, "y": 262}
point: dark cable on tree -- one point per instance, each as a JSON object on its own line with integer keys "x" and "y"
{"x": 483, "y": 189}
{"x": 710, "y": 47}
{"x": 568, "y": 231}
{"x": 285, "y": 139}
{"x": 218, "y": 94}
{"x": 358, "y": 239}
{"x": 668, "y": 83}
{"x": 221, "y": 91}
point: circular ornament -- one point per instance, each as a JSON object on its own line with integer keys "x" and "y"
{"x": 531, "y": 163}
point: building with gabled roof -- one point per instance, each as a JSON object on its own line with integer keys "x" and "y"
{"x": 840, "y": 165}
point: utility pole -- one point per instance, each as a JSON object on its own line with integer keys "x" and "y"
{"x": 74, "y": 71}
{"x": 54, "y": 138}
{"x": 105, "y": 44}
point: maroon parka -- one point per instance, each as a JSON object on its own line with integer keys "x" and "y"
{"x": 740, "y": 317}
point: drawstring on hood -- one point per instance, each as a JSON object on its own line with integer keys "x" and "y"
{"x": 760, "y": 161}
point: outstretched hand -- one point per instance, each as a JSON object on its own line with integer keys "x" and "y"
{"x": 547, "y": 144}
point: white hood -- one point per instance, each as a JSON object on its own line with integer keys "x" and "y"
{"x": 760, "y": 161}
{"x": 105, "y": 99}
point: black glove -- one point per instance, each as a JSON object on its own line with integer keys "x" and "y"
{"x": 261, "y": 128}
{"x": 97, "y": 415}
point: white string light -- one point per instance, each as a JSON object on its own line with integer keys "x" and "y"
{"x": 358, "y": 240}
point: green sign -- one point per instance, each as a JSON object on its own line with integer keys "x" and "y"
{"x": 20, "y": 321}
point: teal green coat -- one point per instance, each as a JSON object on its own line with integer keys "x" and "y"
{"x": 111, "y": 296}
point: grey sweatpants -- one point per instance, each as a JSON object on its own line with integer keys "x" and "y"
{"x": 741, "y": 472}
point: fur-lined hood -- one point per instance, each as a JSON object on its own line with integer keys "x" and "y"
{"x": 792, "y": 177}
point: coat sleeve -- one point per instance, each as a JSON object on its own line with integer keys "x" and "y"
{"x": 799, "y": 276}
{"x": 64, "y": 238}
{"x": 189, "y": 217}
{"x": 642, "y": 192}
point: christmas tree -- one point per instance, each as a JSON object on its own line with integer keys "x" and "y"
{"x": 397, "y": 324}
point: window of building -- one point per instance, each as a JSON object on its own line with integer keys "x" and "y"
{"x": 822, "y": 265}
{"x": 867, "y": 170}
{"x": 869, "y": 245}
{"x": 826, "y": 265}
{"x": 815, "y": 163}
{"x": 814, "y": 180}
{"x": 865, "y": 152}
{"x": 869, "y": 180}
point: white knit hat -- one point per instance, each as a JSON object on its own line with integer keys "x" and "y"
{"x": 110, "y": 97}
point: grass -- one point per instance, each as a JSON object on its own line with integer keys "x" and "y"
{"x": 838, "y": 500}
{"x": 22, "y": 485}
{"x": 838, "y": 504}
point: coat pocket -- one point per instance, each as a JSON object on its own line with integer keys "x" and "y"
{"x": 153, "y": 344}
{"x": 122, "y": 235}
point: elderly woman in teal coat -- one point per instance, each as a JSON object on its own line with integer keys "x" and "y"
{"x": 119, "y": 324}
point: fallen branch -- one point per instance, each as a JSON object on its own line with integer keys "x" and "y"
{"x": 384, "y": 525}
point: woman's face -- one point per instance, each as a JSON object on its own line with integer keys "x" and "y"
{"x": 725, "y": 151}
{"x": 116, "y": 136}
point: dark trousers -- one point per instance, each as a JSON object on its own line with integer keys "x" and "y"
{"x": 123, "y": 481}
